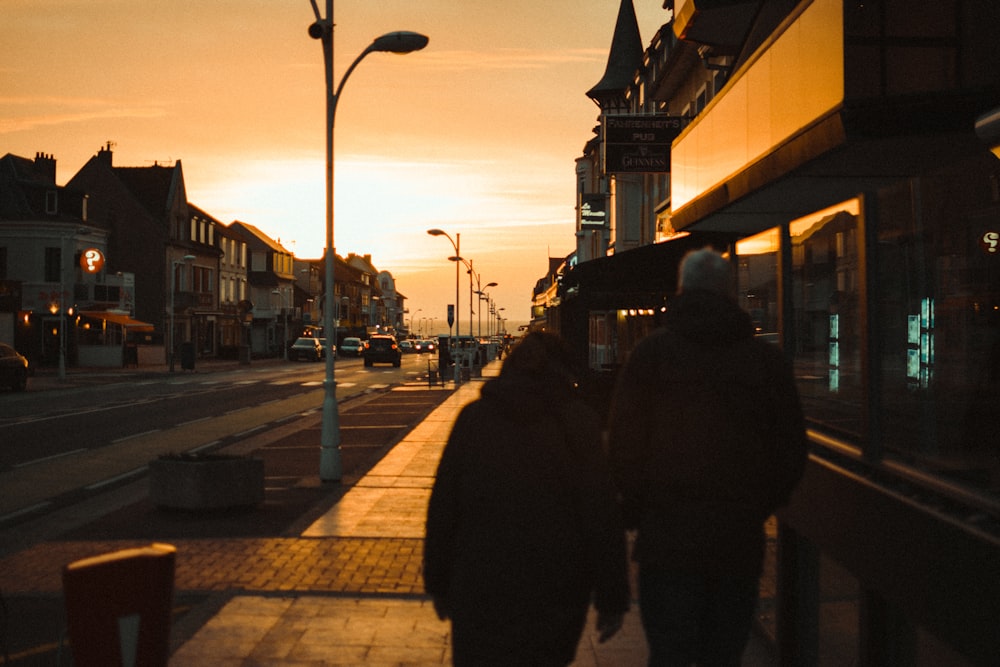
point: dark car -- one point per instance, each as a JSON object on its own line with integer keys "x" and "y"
{"x": 382, "y": 350}
{"x": 424, "y": 346}
{"x": 310, "y": 349}
{"x": 406, "y": 346}
{"x": 351, "y": 347}
{"x": 13, "y": 368}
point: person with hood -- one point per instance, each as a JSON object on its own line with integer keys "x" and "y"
{"x": 523, "y": 528}
{"x": 707, "y": 439}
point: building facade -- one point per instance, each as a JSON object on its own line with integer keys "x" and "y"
{"x": 834, "y": 144}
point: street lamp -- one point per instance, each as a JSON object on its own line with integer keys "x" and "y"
{"x": 468, "y": 266}
{"x": 284, "y": 321}
{"x": 483, "y": 295}
{"x": 456, "y": 244}
{"x": 394, "y": 42}
{"x": 409, "y": 330}
{"x": 173, "y": 290}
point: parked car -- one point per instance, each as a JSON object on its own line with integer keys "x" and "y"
{"x": 382, "y": 350}
{"x": 406, "y": 346}
{"x": 351, "y": 347}
{"x": 13, "y": 368}
{"x": 310, "y": 349}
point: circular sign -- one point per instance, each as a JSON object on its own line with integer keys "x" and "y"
{"x": 92, "y": 260}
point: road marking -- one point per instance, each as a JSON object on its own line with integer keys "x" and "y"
{"x": 26, "y": 510}
{"x": 25, "y": 464}
{"x": 135, "y": 435}
{"x": 112, "y": 480}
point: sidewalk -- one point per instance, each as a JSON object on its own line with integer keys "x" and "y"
{"x": 387, "y": 620}
{"x": 343, "y": 586}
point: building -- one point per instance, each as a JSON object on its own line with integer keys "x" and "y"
{"x": 172, "y": 254}
{"x": 271, "y": 288}
{"x": 835, "y": 145}
{"x": 53, "y": 267}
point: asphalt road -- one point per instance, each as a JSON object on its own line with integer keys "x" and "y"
{"x": 59, "y": 440}
{"x": 372, "y": 419}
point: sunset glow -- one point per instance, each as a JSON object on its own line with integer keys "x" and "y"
{"x": 476, "y": 134}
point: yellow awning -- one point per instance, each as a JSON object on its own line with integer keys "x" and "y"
{"x": 118, "y": 318}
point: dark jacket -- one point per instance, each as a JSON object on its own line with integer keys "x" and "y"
{"x": 522, "y": 526}
{"x": 707, "y": 438}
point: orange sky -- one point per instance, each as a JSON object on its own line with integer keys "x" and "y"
{"x": 477, "y": 134}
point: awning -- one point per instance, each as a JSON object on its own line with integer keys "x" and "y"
{"x": 118, "y": 318}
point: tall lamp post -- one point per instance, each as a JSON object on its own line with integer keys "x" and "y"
{"x": 456, "y": 244}
{"x": 173, "y": 290}
{"x": 483, "y": 296}
{"x": 393, "y": 42}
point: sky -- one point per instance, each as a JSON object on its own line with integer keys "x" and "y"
{"x": 476, "y": 134}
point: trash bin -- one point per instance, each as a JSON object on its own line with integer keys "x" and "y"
{"x": 432, "y": 373}
{"x": 118, "y": 607}
{"x": 187, "y": 356}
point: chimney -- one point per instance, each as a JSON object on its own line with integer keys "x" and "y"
{"x": 45, "y": 166}
{"x": 104, "y": 155}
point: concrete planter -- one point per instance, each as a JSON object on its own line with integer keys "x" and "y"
{"x": 192, "y": 482}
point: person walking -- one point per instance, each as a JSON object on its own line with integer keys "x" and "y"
{"x": 706, "y": 440}
{"x": 523, "y": 528}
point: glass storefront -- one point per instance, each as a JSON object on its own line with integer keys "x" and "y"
{"x": 928, "y": 397}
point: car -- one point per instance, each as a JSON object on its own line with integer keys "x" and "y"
{"x": 381, "y": 349}
{"x": 407, "y": 346}
{"x": 13, "y": 368}
{"x": 310, "y": 349}
{"x": 351, "y": 347}
{"x": 424, "y": 346}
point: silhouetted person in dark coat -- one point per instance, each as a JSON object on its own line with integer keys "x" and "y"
{"x": 707, "y": 440}
{"x": 523, "y": 531}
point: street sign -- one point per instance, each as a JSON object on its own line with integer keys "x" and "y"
{"x": 593, "y": 210}
{"x": 451, "y": 315}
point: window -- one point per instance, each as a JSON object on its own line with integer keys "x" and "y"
{"x": 757, "y": 280}
{"x": 937, "y": 314}
{"x": 51, "y": 202}
{"x": 826, "y": 317}
{"x": 3, "y": 263}
{"x": 53, "y": 265}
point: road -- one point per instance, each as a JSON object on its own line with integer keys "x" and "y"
{"x": 62, "y": 440}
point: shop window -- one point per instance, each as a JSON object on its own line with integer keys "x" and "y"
{"x": 826, "y": 317}
{"x": 757, "y": 281}
{"x": 937, "y": 314}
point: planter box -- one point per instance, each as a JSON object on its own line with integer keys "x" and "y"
{"x": 206, "y": 482}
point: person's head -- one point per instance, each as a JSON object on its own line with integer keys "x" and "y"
{"x": 705, "y": 269}
{"x": 541, "y": 355}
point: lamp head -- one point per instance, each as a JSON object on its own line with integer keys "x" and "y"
{"x": 320, "y": 29}
{"x": 435, "y": 232}
{"x": 401, "y": 41}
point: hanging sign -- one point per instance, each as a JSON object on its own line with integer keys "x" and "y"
{"x": 91, "y": 260}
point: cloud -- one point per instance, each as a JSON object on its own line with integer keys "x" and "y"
{"x": 508, "y": 59}
{"x": 62, "y": 111}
